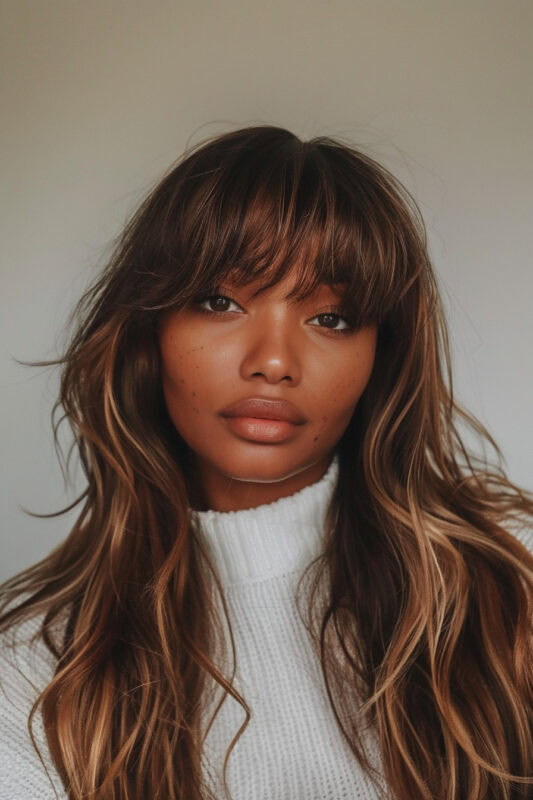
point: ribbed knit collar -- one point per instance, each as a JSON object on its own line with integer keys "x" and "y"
{"x": 271, "y": 539}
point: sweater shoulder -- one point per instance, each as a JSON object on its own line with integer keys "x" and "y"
{"x": 26, "y": 668}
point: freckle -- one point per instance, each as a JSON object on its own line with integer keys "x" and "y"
{"x": 315, "y": 439}
{"x": 181, "y": 380}
{"x": 194, "y": 394}
{"x": 324, "y": 419}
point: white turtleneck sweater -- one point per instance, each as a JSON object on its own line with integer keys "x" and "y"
{"x": 292, "y": 747}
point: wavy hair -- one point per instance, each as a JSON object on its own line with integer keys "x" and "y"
{"x": 426, "y": 617}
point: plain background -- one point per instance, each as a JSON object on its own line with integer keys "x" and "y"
{"x": 100, "y": 97}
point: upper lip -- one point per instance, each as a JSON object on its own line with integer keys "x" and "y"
{"x": 264, "y": 408}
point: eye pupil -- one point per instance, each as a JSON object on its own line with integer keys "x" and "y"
{"x": 217, "y": 299}
{"x": 331, "y": 317}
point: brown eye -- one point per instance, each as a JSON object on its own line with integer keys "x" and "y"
{"x": 331, "y": 318}
{"x": 220, "y": 302}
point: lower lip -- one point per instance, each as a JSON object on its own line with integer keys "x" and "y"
{"x": 261, "y": 430}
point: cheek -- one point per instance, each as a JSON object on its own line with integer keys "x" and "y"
{"x": 175, "y": 369}
{"x": 347, "y": 378}
{"x": 187, "y": 374}
{"x": 180, "y": 395}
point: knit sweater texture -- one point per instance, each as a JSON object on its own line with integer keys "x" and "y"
{"x": 292, "y": 747}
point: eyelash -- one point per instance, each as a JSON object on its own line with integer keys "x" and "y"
{"x": 332, "y": 311}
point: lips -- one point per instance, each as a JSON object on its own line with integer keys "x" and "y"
{"x": 264, "y": 408}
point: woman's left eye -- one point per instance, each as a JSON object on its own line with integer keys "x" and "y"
{"x": 348, "y": 329}
{"x": 330, "y": 313}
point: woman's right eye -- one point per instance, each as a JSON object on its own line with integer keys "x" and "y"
{"x": 217, "y": 298}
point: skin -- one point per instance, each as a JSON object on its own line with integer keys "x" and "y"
{"x": 264, "y": 347}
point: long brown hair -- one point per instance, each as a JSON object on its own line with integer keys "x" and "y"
{"x": 427, "y": 614}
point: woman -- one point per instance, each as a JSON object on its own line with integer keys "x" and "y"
{"x": 348, "y": 578}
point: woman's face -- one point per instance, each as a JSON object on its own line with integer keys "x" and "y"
{"x": 262, "y": 348}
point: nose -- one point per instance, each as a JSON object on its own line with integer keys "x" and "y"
{"x": 271, "y": 350}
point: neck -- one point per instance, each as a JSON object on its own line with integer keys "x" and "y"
{"x": 271, "y": 539}
{"x": 217, "y": 491}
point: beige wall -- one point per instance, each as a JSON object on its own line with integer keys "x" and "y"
{"x": 100, "y": 97}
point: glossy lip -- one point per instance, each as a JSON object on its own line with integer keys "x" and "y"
{"x": 264, "y": 408}
{"x": 265, "y": 431}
